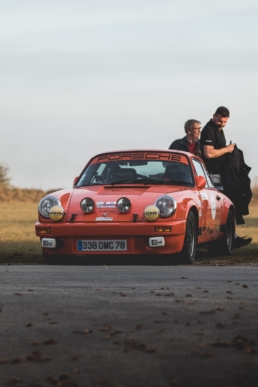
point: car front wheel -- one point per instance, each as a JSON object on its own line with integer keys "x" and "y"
{"x": 188, "y": 252}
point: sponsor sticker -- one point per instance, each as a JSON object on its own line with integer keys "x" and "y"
{"x": 213, "y": 207}
{"x": 151, "y": 213}
{"x": 56, "y": 213}
{"x": 101, "y": 218}
{"x": 156, "y": 241}
{"x": 106, "y": 204}
{"x": 49, "y": 243}
{"x": 204, "y": 196}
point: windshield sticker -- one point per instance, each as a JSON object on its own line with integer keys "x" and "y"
{"x": 162, "y": 156}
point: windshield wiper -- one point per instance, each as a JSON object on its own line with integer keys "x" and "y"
{"x": 141, "y": 181}
{"x": 178, "y": 182}
{"x": 164, "y": 182}
{"x": 122, "y": 182}
{"x": 150, "y": 180}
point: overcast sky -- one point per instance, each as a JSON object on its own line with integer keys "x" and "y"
{"x": 80, "y": 77}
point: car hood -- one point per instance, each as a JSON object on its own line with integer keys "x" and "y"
{"x": 105, "y": 198}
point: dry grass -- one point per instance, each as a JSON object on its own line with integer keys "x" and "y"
{"x": 19, "y": 244}
{"x": 245, "y": 255}
{"x": 13, "y": 194}
{"x": 255, "y": 193}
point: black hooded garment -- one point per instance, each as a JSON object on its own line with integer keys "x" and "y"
{"x": 237, "y": 184}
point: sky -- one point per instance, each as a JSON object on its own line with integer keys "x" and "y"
{"x": 81, "y": 77}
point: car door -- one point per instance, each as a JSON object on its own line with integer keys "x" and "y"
{"x": 211, "y": 206}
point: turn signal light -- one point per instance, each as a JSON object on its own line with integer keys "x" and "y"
{"x": 162, "y": 229}
{"x": 46, "y": 230}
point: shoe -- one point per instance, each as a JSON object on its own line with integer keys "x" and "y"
{"x": 240, "y": 242}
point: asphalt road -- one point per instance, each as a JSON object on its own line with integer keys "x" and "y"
{"x": 123, "y": 326}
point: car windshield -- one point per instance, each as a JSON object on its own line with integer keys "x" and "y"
{"x": 137, "y": 172}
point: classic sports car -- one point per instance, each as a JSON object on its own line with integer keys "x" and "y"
{"x": 137, "y": 202}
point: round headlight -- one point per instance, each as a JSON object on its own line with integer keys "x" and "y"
{"x": 87, "y": 205}
{"x": 166, "y": 205}
{"x": 123, "y": 205}
{"x": 46, "y": 203}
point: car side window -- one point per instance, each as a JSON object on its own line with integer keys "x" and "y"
{"x": 200, "y": 171}
{"x": 208, "y": 179}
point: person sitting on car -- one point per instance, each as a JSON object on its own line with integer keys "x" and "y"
{"x": 225, "y": 163}
{"x": 191, "y": 142}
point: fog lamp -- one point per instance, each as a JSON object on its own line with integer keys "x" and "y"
{"x": 162, "y": 229}
{"x": 46, "y": 230}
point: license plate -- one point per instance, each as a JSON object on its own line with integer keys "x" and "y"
{"x": 102, "y": 245}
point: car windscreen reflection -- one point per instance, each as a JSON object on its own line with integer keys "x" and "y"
{"x": 137, "y": 172}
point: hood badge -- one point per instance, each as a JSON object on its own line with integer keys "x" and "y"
{"x": 111, "y": 204}
{"x": 103, "y": 218}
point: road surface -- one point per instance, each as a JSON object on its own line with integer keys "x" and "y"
{"x": 123, "y": 326}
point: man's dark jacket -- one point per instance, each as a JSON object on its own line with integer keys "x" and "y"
{"x": 182, "y": 144}
{"x": 237, "y": 184}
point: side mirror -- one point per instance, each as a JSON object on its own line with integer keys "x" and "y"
{"x": 200, "y": 182}
{"x": 75, "y": 180}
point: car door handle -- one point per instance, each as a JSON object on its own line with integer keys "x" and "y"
{"x": 218, "y": 197}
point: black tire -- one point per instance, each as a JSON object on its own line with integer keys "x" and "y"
{"x": 225, "y": 245}
{"x": 188, "y": 252}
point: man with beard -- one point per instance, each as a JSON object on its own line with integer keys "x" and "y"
{"x": 216, "y": 154}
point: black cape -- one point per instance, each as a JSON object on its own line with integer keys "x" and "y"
{"x": 237, "y": 184}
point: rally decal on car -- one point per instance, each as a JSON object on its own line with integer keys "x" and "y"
{"x": 204, "y": 196}
{"x": 210, "y": 230}
{"x": 100, "y": 218}
{"x": 213, "y": 207}
{"x": 141, "y": 156}
{"x": 106, "y": 204}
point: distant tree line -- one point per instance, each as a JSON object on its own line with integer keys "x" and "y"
{"x": 4, "y": 178}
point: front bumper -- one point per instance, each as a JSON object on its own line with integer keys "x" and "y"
{"x": 136, "y": 234}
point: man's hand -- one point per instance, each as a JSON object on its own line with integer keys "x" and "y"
{"x": 231, "y": 148}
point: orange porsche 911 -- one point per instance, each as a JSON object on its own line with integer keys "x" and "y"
{"x": 137, "y": 202}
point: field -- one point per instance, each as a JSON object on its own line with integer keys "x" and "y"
{"x": 18, "y": 242}
{"x": 19, "y": 245}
